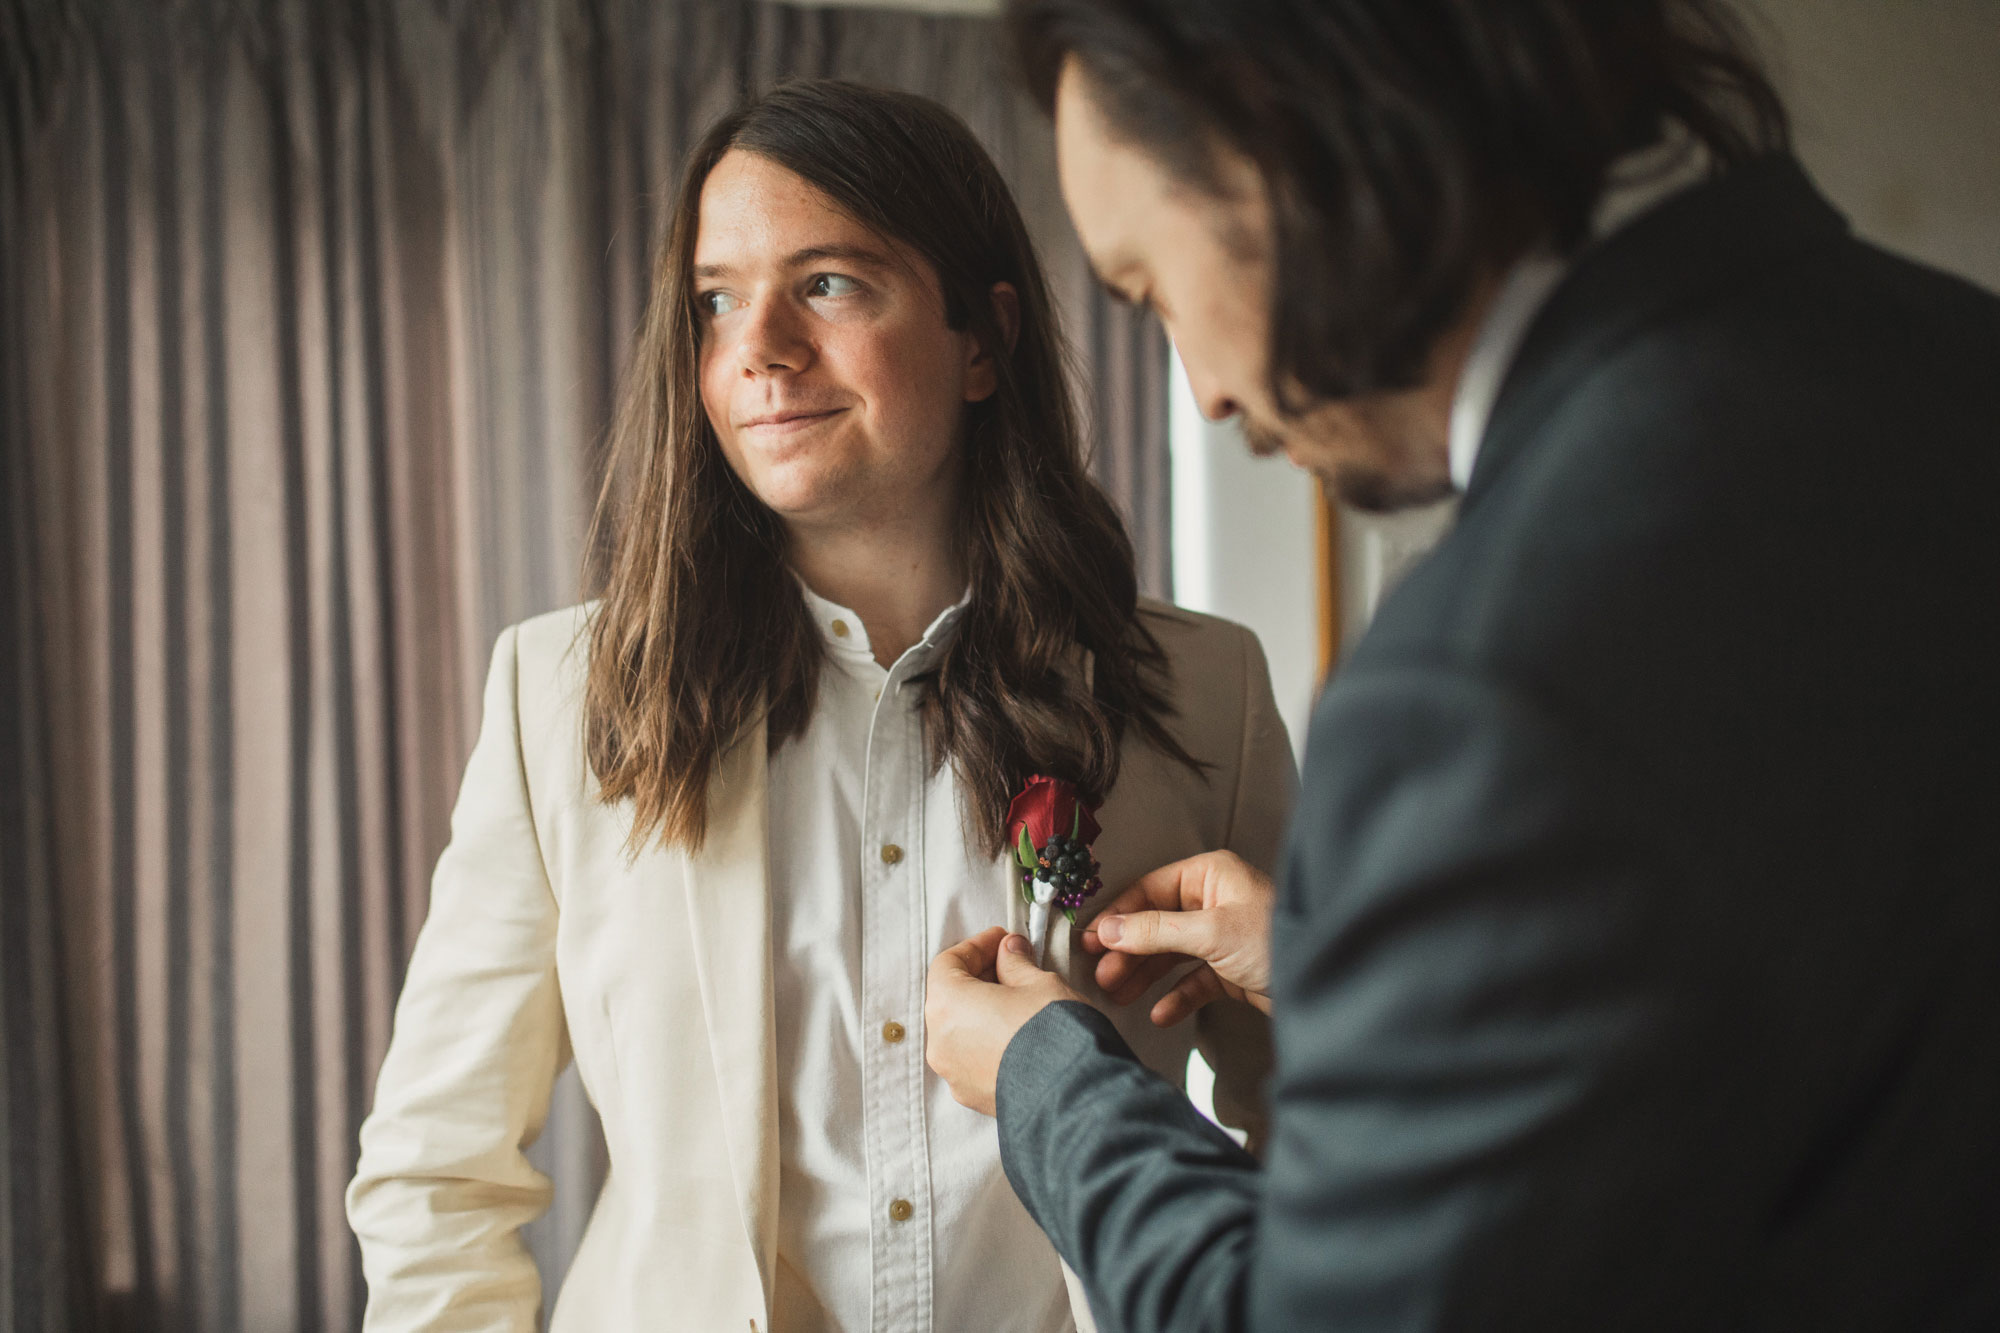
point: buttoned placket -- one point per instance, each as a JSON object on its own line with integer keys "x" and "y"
{"x": 893, "y": 964}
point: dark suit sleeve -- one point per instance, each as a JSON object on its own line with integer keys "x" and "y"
{"x": 1482, "y": 1093}
{"x": 1132, "y": 1185}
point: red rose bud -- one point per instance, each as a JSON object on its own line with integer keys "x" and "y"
{"x": 1046, "y": 807}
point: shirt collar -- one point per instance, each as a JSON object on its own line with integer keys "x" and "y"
{"x": 1636, "y": 184}
{"x": 847, "y": 638}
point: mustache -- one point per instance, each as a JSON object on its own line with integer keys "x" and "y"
{"x": 1261, "y": 439}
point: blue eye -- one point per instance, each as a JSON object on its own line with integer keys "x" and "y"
{"x": 717, "y": 303}
{"x": 833, "y": 284}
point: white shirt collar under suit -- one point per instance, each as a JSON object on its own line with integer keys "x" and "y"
{"x": 1639, "y": 183}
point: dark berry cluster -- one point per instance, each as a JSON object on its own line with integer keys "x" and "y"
{"x": 1066, "y": 863}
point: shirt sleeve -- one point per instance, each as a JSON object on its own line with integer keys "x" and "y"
{"x": 443, "y": 1185}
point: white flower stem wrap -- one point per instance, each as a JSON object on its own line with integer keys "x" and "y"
{"x": 1038, "y": 919}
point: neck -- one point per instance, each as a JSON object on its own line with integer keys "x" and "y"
{"x": 896, "y": 573}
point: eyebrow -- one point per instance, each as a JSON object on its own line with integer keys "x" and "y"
{"x": 813, "y": 254}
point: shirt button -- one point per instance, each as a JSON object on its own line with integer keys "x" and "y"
{"x": 901, "y": 1211}
{"x": 840, "y": 629}
{"x": 892, "y": 1032}
{"x": 891, "y": 853}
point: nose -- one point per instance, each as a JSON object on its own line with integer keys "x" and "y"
{"x": 770, "y": 340}
{"x": 1211, "y": 400}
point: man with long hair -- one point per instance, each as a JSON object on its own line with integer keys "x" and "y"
{"x": 860, "y": 606}
{"x": 1635, "y": 960}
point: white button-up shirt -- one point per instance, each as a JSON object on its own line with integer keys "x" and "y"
{"x": 894, "y": 1215}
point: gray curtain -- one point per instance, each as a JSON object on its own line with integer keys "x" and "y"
{"x": 311, "y": 316}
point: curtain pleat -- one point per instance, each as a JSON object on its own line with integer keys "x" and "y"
{"x": 46, "y": 1271}
{"x": 312, "y": 316}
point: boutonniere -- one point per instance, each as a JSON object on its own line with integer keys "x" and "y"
{"x": 1052, "y": 830}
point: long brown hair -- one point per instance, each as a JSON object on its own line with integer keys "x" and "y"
{"x": 702, "y": 629}
{"x": 1409, "y": 146}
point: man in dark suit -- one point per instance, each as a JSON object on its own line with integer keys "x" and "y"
{"x": 1637, "y": 958}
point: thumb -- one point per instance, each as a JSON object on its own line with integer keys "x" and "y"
{"x": 1158, "y": 932}
{"x": 1017, "y": 961}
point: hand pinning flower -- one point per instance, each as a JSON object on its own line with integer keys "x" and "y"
{"x": 1052, "y": 830}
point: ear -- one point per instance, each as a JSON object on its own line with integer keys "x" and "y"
{"x": 982, "y": 372}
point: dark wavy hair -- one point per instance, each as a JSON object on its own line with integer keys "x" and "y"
{"x": 702, "y": 629}
{"x": 1409, "y": 147}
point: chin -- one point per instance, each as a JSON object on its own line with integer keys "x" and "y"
{"x": 1374, "y": 491}
{"x": 798, "y": 489}
{"x": 800, "y": 510}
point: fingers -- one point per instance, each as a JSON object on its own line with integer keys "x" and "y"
{"x": 1170, "y": 888}
{"x": 1125, "y": 977}
{"x": 1188, "y": 932}
{"x": 1196, "y": 989}
{"x": 1016, "y": 963}
{"x": 1144, "y": 917}
{"x": 1137, "y": 898}
{"x": 968, "y": 959}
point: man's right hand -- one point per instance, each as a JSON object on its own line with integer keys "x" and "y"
{"x": 1214, "y": 908}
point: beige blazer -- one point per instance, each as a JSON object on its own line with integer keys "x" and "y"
{"x": 546, "y": 941}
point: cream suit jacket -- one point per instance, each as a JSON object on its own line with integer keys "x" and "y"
{"x": 546, "y": 940}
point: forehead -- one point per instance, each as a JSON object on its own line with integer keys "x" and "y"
{"x": 1132, "y": 212}
{"x": 752, "y": 209}
{"x": 1110, "y": 188}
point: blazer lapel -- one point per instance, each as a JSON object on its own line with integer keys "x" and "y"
{"x": 1064, "y": 958}
{"x": 729, "y": 919}
{"x": 1058, "y": 957}
{"x": 1061, "y": 956}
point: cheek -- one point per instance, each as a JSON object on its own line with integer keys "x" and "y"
{"x": 911, "y": 380}
{"x": 715, "y": 383}
{"x": 1237, "y": 331}
{"x": 712, "y": 375}
{"x": 1225, "y": 300}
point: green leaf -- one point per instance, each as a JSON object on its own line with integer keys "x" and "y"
{"x": 1025, "y": 853}
{"x": 1070, "y": 912}
{"x": 1076, "y": 820}
{"x": 1027, "y": 891}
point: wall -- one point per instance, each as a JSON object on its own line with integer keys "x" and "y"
{"x": 1897, "y": 111}
{"x": 1244, "y": 547}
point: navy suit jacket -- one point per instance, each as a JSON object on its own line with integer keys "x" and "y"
{"x": 1636, "y": 961}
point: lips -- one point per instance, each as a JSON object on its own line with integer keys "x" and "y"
{"x": 788, "y": 419}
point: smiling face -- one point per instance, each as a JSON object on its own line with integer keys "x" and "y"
{"x": 1201, "y": 259}
{"x": 828, "y": 372}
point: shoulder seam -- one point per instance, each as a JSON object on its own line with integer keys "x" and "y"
{"x": 1169, "y": 611}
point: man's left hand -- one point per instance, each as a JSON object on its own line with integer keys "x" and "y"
{"x": 980, "y": 993}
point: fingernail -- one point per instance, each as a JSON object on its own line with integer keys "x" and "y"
{"x": 1016, "y": 944}
{"x": 1109, "y": 929}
